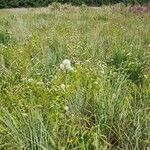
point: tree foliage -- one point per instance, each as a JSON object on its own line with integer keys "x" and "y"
{"x": 40, "y": 3}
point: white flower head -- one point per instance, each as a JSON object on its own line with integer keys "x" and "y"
{"x": 145, "y": 76}
{"x": 63, "y": 87}
{"x": 66, "y": 65}
{"x": 30, "y": 80}
{"x": 66, "y": 62}
{"x": 96, "y": 82}
{"x": 40, "y": 83}
{"x": 69, "y": 68}
{"x": 66, "y": 108}
{"x": 24, "y": 114}
{"x": 62, "y": 67}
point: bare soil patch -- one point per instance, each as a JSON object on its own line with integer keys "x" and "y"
{"x": 140, "y": 9}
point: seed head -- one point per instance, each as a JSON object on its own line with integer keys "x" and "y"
{"x": 62, "y": 67}
{"x": 66, "y": 108}
{"x": 63, "y": 87}
{"x": 66, "y": 62}
{"x": 66, "y": 65}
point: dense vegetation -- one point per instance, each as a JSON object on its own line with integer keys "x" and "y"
{"x": 40, "y": 3}
{"x": 96, "y": 100}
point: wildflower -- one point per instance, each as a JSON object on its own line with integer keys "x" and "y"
{"x": 145, "y": 76}
{"x": 66, "y": 65}
{"x": 70, "y": 140}
{"x": 40, "y": 83}
{"x": 66, "y": 62}
{"x": 3, "y": 46}
{"x": 96, "y": 82}
{"x": 30, "y": 80}
{"x": 66, "y": 108}
{"x": 24, "y": 114}
{"x": 113, "y": 95}
{"x": 68, "y": 112}
{"x": 69, "y": 68}
{"x": 62, "y": 67}
{"x": 63, "y": 87}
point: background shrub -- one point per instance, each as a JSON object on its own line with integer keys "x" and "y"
{"x": 40, "y": 3}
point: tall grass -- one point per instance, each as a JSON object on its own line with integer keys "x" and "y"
{"x": 102, "y": 103}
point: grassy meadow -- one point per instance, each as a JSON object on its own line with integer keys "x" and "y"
{"x": 74, "y": 78}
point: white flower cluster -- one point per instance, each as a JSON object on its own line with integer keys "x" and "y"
{"x": 66, "y": 108}
{"x": 68, "y": 112}
{"x": 66, "y": 65}
{"x": 63, "y": 87}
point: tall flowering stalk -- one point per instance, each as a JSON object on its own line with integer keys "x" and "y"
{"x": 66, "y": 67}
